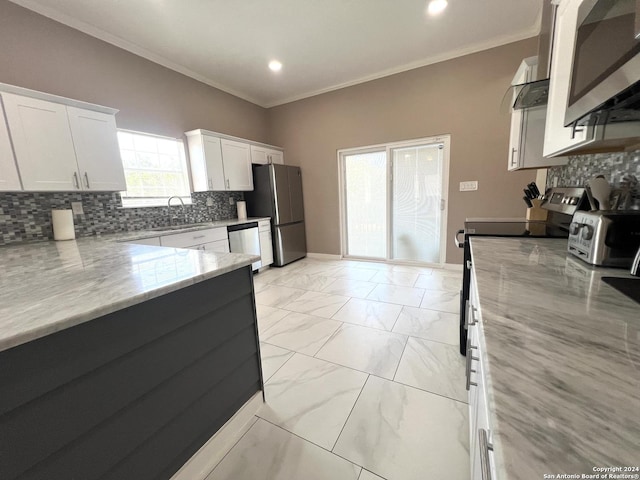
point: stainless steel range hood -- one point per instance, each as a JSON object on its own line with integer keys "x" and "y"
{"x": 535, "y": 93}
{"x": 532, "y": 94}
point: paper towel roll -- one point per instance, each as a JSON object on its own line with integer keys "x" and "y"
{"x": 63, "y": 225}
{"x": 242, "y": 210}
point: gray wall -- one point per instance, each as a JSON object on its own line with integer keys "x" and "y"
{"x": 461, "y": 97}
{"x": 41, "y": 54}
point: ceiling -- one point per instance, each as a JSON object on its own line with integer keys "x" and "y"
{"x": 323, "y": 44}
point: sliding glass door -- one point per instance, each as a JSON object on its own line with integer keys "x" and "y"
{"x": 393, "y": 200}
{"x": 416, "y": 203}
{"x": 365, "y": 178}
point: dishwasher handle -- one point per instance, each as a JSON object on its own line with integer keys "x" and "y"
{"x": 242, "y": 226}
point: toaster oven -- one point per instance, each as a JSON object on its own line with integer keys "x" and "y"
{"x": 605, "y": 238}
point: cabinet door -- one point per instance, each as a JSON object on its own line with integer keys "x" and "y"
{"x": 266, "y": 248}
{"x": 42, "y": 143}
{"x": 277, "y": 157}
{"x": 517, "y": 119}
{"x": 9, "y": 180}
{"x": 259, "y": 155}
{"x": 514, "y": 139}
{"x": 214, "y": 165}
{"x": 220, "y": 246}
{"x": 236, "y": 157}
{"x": 95, "y": 140}
{"x": 557, "y": 137}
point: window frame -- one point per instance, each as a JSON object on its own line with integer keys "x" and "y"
{"x": 150, "y": 201}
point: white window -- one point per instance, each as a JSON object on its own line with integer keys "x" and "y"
{"x": 155, "y": 169}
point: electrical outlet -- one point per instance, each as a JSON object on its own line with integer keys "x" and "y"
{"x": 76, "y": 208}
{"x": 209, "y": 202}
{"x": 469, "y": 186}
{"x": 231, "y": 201}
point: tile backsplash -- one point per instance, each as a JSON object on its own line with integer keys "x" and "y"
{"x": 581, "y": 168}
{"x": 27, "y": 216}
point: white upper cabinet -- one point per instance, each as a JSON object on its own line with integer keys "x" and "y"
{"x": 527, "y": 127}
{"x": 558, "y": 138}
{"x": 95, "y": 139}
{"x": 263, "y": 155}
{"x": 205, "y": 155}
{"x": 57, "y": 145}
{"x": 9, "y": 179}
{"x": 236, "y": 157}
{"x": 219, "y": 163}
{"x": 42, "y": 142}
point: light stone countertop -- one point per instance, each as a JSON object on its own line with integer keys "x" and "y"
{"x": 49, "y": 286}
{"x": 562, "y": 350}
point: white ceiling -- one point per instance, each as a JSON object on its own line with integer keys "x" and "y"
{"x": 323, "y": 44}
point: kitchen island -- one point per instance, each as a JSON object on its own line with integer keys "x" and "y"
{"x": 560, "y": 351}
{"x": 120, "y": 360}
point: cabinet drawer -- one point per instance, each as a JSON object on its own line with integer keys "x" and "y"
{"x": 189, "y": 239}
{"x": 220, "y": 246}
{"x": 264, "y": 225}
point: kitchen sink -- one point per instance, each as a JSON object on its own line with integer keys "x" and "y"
{"x": 627, "y": 286}
{"x": 180, "y": 227}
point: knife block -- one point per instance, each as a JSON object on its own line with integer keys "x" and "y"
{"x": 536, "y": 213}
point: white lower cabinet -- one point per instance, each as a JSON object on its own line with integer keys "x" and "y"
{"x": 266, "y": 243}
{"x": 221, "y": 246}
{"x": 197, "y": 238}
{"x": 480, "y": 442}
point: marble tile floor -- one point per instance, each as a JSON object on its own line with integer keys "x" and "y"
{"x": 363, "y": 379}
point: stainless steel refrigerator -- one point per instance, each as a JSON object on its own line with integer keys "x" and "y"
{"x": 277, "y": 193}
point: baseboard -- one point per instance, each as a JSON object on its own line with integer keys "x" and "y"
{"x": 211, "y": 453}
{"x": 324, "y": 256}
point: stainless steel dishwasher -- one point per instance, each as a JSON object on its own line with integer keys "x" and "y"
{"x": 245, "y": 238}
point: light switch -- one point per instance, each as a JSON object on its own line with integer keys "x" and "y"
{"x": 469, "y": 186}
{"x": 231, "y": 201}
{"x": 209, "y": 202}
{"x": 76, "y": 208}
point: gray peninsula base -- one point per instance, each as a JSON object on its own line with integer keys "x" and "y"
{"x": 132, "y": 394}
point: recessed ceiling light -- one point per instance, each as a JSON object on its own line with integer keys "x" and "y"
{"x": 436, "y": 6}
{"x": 275, "y": 65}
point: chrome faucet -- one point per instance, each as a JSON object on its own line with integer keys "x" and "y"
{"x": 184, "y": 210}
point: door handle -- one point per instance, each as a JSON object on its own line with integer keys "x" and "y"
{"x": 86, "y": 179}
{"x": 575, "y": 129}
{"x": 210, "y": 184}
{"x": 485, "y": 448}
{"x": 459, "y": 244}
{"x": 513, "y": 154}
{"x": 442, "y": 204}
{"x": 228, "y": 187}
{"x": 76, "y": 182}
